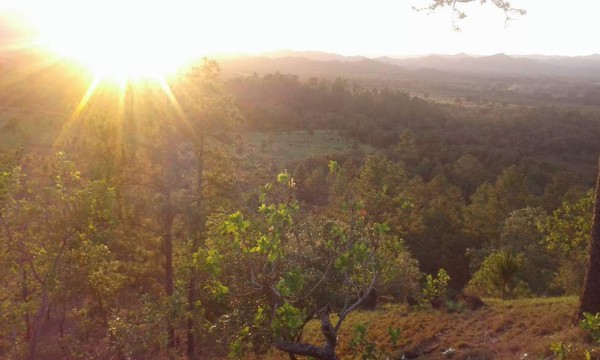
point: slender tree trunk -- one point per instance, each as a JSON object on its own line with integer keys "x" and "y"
{"x": 168, "y": 243}
{"x": 38, "y": 324}
{"x": 197, "y": 228}
{"x": 590, "y": 297}
{"x": 25, "y": 298}
{"x": 191, "y": 349}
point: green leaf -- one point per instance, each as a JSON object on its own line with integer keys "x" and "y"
{"x": 333, "y": 166}
{"x": 291, "y": 283}
{"x": 342, "y": 263}
{"x": 284, "y": 177}
{"x": 288, "y": 318}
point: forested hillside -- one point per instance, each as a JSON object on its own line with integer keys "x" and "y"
{"x": 212, "y": 217}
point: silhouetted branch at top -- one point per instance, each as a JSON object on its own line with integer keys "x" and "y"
{"x": 458, "y": 14}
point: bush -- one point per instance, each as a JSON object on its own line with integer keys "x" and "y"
{"x": 500, "y": 276}
{"x": 435, "y": 289}
{"x": 591, "y": 323}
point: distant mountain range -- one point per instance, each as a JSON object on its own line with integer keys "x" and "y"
{"x": 305, "y": 67}
{"x": 313, "y": 55}
{"x": 502, "y": 64}
{"x": 314, "y": 63}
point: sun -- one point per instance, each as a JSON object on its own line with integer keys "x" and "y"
{"x": 122, "y": 40}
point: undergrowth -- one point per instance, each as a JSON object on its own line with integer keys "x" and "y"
{"x": 503, "y": 329}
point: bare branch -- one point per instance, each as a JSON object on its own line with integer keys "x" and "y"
{"x": 458, "y": 14}
{"x": 356, "y": 304}
{"x": 316, "y": 286}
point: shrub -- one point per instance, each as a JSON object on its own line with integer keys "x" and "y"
{"x": 500, "y": 276}
{"x": 435, "y": 289}
{"x": 591, "y": 323}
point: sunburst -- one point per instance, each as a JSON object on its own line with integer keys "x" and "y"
{"x": 118, "y": 41}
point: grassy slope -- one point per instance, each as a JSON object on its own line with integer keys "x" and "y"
{"x": 500, "y": 330}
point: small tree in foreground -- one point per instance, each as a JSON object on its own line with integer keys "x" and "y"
{"x": 588, "y": 302}
{"x": 294, "y": 274}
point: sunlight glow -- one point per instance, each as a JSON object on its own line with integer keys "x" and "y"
{"x": 85, "y": 99}
{"x": 135, "y": 38}
{"x": 116, "y": 39}
{"x": 167, "y": 89}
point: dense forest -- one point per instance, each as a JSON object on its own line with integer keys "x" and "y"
{"x": 178, "y": 219}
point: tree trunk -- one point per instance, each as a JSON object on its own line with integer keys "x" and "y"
{"x": 25, "y": 298}
{"x": 168, "y": 244}
{"x": 38, "y": 324}
{"x": 590, "y": 297}
{"x": 197, "y": 229}
{"x": 326, "y": 352}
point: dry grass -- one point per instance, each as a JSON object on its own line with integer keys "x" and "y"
{"x": 517, "y": 329}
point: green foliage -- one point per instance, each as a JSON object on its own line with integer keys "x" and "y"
{"x": 564, "y": 351}
{"x": 442, "y": 216}
{"x": 365, "y": 349}
{"x": 209, "y": 260}
{"x": 134, "y": 334}
{"x": 400, "y": 274}
{"x": 394, "y": 335}
{"x": 294, "y": 267}
{"x": 288, "y": 320}
{"x": 435, "y": 287}
{"x": 591, "y": 323}
{"x": 520, "y": 235}
{"x": 500, "y": 276}
{"x": 217, "y": 290}
{"x": 291, "y": 283}
{"x": 59, "y": 238}
{"x": 265, "y": 241}
{"x": 568, "y": 227}
{"x": 238, "y": 347}
{"x": 333, "y": 166}
{"x": 361, "y": 346}
{"x": 560, "y": 350}
{"x": 356, "y": 254}
{"x": 82, "y": 239}
{"x": 566, "y": 234}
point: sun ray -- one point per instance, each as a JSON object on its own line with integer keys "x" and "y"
{"x": 120, "y": 115}
{"x": 173, "y": 100}
{"x": 77, "y": 112}
{"x": 167, "y": 89}
{"x": 85, "y": 99}
{"x": 31, "y": 70}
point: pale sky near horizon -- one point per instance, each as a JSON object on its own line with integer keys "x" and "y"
{"x": 348, "y": 27}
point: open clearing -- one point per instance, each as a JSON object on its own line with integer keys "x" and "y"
{"x": 281, "y": 147}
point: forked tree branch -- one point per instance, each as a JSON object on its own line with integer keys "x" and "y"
{"x": 458, "y": 14}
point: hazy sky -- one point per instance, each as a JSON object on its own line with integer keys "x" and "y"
{"x": 374, "y": 27}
